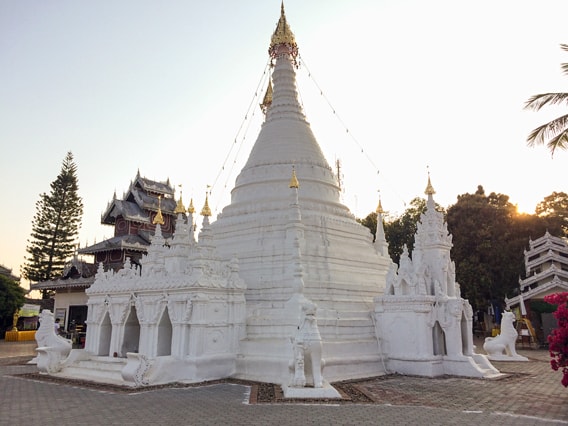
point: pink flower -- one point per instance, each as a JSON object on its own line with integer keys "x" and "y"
{"x": 565, "y": 379}
{"x": 558, "y": 338}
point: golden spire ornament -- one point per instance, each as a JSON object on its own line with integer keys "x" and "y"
{"x": 283, "y": 37}
{"x": 267, "y": 101}
{"x": 429, "y": 188}
{"x": 159, "y": 219}
{"x": 379, "y": 207}
{"x": 206, "y": 211}
{"x": 294, "y": 180}
{"x": 180, "y": 208}
{"x": 191, "y": 209}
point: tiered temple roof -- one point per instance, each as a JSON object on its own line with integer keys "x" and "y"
{"x": 546, "y": 266}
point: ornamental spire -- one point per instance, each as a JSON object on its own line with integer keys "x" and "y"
{"x": 380, "y": 239}
{"x": 159, "y": 219}
{"x": 191, "y": 209}
{"x": 294, "y": 180}
{"x": 180, "y": 208}
{"x": 430, "y": 205}
{"x": 283, "y": 40}
{"x": 267, "y": 101}
{"x": 206, "y": 211}
{"x": 379, "y": 207}
{"x": 429, "y": 188}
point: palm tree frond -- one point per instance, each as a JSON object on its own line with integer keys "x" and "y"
{"x": 558, "y": 142}
{"x": 555, "y": 131}
{"x": 536, "y": 102}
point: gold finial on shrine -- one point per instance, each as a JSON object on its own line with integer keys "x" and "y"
{"x": 180, "y": 208}
{"x": 191, "y": 209}
{"x": 159, "y": 219}
{"x": 294, "y": 180}
{"x": 267, "y": 101}
{"x": 429, "y": 188}
{"x": 283, "y": 35}
{"x": 206, "y": 211}
{"x": 379, "y": 207}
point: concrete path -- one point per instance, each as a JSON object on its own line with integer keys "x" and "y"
{"x": 531, "y": 394}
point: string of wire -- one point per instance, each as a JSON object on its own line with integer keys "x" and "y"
{"x": 241, "y": 133}
{"x": 352, "y": 137}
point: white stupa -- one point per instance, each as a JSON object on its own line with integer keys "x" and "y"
{"x": 312, "y": 247}
{"x": 284, "y": 287}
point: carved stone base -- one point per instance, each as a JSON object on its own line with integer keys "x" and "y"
{"x": 325, "y": 392}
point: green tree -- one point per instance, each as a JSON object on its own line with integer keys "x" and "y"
{"x": 489, "y": 238}
{"x": 11, "y": 300}
{"x": 555, "y": 132}
{"x": 370, "y": 221}
{"x": 401, "y": 230}
{"x": 55, "y": 226}
{"x": 554, "y": 208}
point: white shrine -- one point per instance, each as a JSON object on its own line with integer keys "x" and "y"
{"x": 424, "y": 323}
{"x": 284, "y": 287}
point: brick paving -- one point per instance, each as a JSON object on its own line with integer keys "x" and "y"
{"x": 530, "y": 394}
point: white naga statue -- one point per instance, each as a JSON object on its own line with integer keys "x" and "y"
{"x": 502, "y": 346}
{"x": 307, "y": 350}
{"x": 52, "y": 349}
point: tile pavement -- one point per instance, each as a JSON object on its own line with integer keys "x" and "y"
{"x": 530, "y": 394}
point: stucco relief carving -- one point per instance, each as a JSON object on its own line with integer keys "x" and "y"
{"x": 149, "y": 308}
{"x": 95, "y": 311}
{"x": 179, "y": 309}
{"x": 118, "y": 309}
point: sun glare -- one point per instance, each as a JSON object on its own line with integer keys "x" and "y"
{"x": 524, "y": 209}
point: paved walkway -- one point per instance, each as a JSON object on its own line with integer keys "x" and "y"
{"x": 531, "y": 394}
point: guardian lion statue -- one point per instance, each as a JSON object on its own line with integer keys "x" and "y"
{"x": 502, "y": 346}
{"x": 308, "y": 363}
{"x": 52, "y": 349}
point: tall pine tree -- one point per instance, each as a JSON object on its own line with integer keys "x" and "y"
{"x": 55, "y": 226}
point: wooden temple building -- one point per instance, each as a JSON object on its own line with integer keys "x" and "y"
{"x": 132, "y": 218}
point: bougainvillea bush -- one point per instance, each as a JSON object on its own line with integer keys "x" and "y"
{"x": 558, "y": 339}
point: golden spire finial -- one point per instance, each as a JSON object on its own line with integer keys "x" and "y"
{"x": 429, "y": 188}
{"x": 267, "y": 101}
{"x": 294, "y": 180}
{"x": 180, "y": 208}
{"x": 379, "y": 206}
{"x": 191, "y": 209}
{"x": 206, "y": 211}
{"x": 159, "y": 219}
{"x": 283, "y": 35}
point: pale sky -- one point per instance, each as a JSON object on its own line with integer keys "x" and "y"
{"x": 164, "y": 88}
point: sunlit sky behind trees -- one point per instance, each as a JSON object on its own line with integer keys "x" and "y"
{"x": 392, "y": 88}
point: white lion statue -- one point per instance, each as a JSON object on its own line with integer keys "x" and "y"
{"x": 52, "y": 349}
{"x": 308, "y": 363}
{"x": 502, "y": 346}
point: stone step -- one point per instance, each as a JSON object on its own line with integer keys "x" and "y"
{"x": 103, "y": 363}
{"x": 97, "y": 369}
